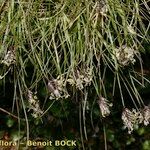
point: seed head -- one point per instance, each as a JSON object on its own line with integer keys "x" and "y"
{"x": 146, "y": 115}
{"x": 102, "y": 7}
{"x": 53, "y": 88}
{"x": 104, "y": 106}
{"x": 10, "y": 58}
{"x": 125, "y": 55}
{"x": 81, "y": 77}
{"x": 57, "y": 88}
{"x": 128, "y": 119}
{"x": 34, "y": 104}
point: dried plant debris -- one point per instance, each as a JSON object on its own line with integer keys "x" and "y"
{"x": 125, "y": 55}
{"x": 34, "y": 105}
{"x": 80, "y": 77}
{"x": 9, "y": 58}
{"x": 134, "y": 117}
{"x": 57, "y": 88}
{"x": 104, "y": 106}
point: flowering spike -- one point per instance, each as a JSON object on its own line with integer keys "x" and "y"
{"x": 104, "y": 106}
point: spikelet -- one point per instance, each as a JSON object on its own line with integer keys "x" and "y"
{"x": 34, "y": 105}
{"x": 104, "y": 106}
{"x": 10, "y": 57}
